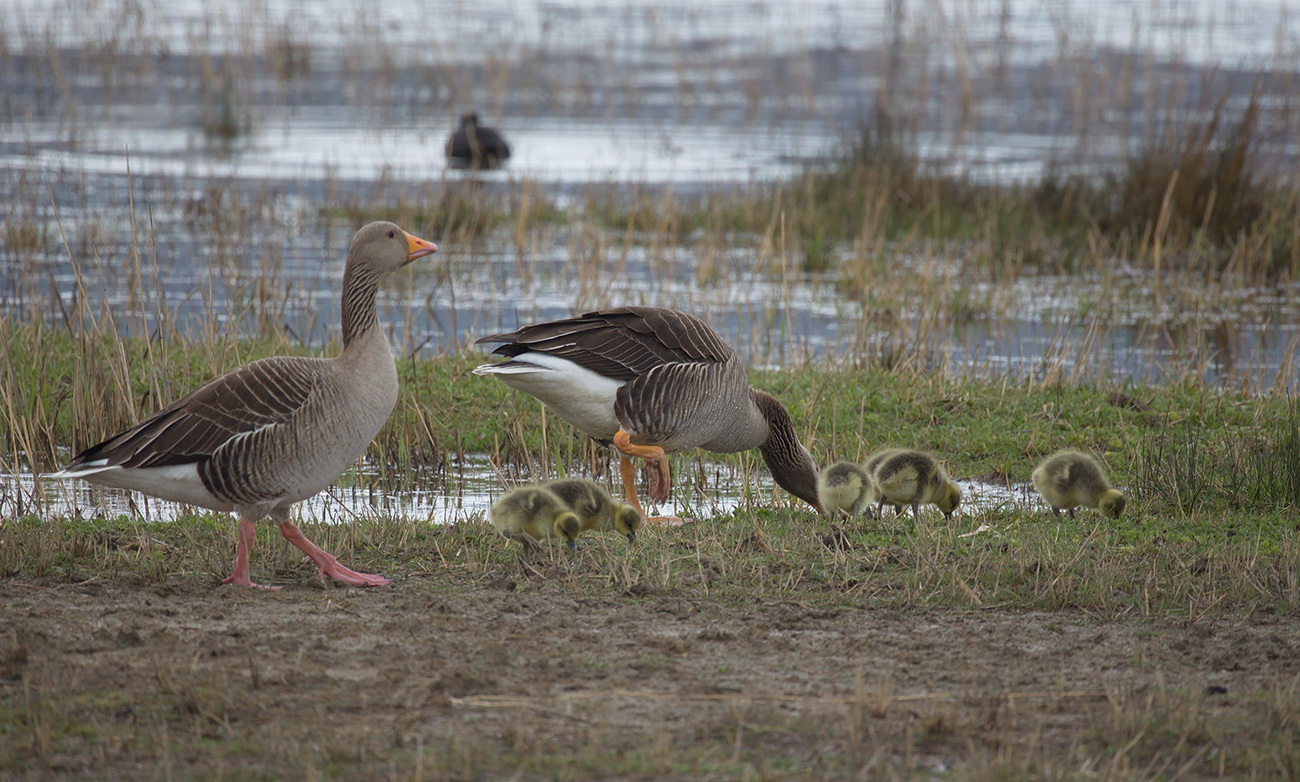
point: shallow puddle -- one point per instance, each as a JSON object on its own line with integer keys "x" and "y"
{"x": 463, "y": 492}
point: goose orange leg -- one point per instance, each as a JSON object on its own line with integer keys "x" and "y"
{"x": 661, "y": 479}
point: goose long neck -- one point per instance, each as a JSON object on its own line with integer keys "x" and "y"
{"x": 789, "y": 462}
{"x": 781, "y": 440}
{"x": 360, "y": 285}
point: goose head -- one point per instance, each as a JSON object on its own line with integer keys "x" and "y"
{"x": 377, "y": 250}
{"x": 382, "y": 248}
{"x": 1112, "y": 503}
{"x": 791, "y": 465}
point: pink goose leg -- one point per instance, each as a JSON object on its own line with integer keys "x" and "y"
{"x": 329, "y": 566}
{"x": 243, "y": 545}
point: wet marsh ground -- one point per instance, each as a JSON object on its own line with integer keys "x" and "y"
{"x": 744, "y": 646}
{"x": 986, "y": 230}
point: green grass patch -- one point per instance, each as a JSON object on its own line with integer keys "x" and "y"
{"x": 1142, "y": 565}
{"x": 1179, "y": 449}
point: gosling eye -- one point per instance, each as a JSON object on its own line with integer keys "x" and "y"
{"x": 392, "y": 234}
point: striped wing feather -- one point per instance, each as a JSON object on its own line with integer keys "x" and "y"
{"x": 620, "y": 343}
{"x": 667, "y": 398}
{"x": 256, "y": 395}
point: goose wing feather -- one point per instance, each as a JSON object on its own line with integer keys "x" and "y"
{"x": 620, "y": 343}
{"x": 256, "y": 395}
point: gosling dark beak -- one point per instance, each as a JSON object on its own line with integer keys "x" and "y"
{"x": 572, "y": 544}
{"x": 631, "y": 537}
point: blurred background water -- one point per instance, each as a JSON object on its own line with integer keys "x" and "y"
{"x": 178, "y": 164}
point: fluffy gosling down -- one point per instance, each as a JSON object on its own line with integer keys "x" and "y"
{"x": 596, "y": 510}
{"x": 844, "y": 489}
{"x": 531, "y": 512}
{"x": 1067, "y": 479}
{"x": 913, "y": 478}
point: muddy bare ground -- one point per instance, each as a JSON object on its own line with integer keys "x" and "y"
{"x": 449, "y": 676}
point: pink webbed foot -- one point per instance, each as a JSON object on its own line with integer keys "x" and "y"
{"x": 243, "y": 545}
{"x": 349, "y": 576}
{"x": 326, "y": 562}
{"x": 244, "y": 581}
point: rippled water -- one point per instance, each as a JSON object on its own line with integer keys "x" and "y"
{"x": 146, "y": 216}
{"x": 1024, "y": 327}
{"x": 464, "y": 493}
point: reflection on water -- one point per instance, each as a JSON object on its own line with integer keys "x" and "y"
{"x": 334, "y": 147}
{"x": 461, "y": 492}
{"x": 464, "y": 492}
{"x": 196, "y": 280}
{"x": 130, "y": 206}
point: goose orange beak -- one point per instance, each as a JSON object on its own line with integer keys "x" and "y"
{"x": 418, "y": 248}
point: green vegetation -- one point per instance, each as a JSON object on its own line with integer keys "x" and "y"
{"x": 1211, "y": 475}
{"x": 1146, "y": 564}
{"x": 1182, "y": 448}
{"x": 1199, "y": 196}
{"x": 1194, "y": 571}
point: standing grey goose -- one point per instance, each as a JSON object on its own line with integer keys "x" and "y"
{"x": 474, "y": 146}
{"x": 652, "y": 381}
{"x": 267, "y": 434}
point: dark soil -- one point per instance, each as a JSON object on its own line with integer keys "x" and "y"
{"x": 445, "y": 676}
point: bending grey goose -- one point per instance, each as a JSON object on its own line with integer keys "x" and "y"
{"x": 652, "y": 381}
{"x": 272, "y": 432}
{"x": 475, "y": 146}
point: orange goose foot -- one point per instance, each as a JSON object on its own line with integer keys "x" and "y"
{"x": 659, "y": 480}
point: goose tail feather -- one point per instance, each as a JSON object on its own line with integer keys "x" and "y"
{"x": 80, "y": 470}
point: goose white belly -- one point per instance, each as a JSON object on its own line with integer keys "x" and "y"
{"x": 175, "y": 483}
{"x": 578, "y": 395}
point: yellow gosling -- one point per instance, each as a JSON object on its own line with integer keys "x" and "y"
{"x": 874, "y": 460}
{"x": 913, "y": 478}
{"x": 1068, "y": 479}
{"x": 531, "y": 512}
{"x": 595, "y": 508}
{"x": 844, "y": 489}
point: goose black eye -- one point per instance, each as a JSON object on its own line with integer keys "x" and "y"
{"x": 392, "y": 234}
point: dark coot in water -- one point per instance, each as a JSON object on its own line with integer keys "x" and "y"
{"x": 475, "y": 146}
